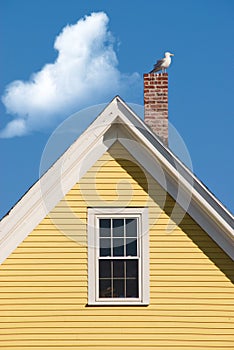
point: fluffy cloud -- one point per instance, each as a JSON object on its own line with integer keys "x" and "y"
{"x": 84, "y": 73}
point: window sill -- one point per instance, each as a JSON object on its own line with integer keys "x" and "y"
{"x": 117, "y": 303}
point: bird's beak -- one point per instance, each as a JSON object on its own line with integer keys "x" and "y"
{"x": 172, "y": 54}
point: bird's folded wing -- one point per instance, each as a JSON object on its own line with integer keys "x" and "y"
{"x": 158, "y": 64}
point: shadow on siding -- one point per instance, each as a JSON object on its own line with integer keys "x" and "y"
{"x": 197, "y": 235}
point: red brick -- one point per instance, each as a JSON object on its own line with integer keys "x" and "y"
{"x": 156, "y": 103}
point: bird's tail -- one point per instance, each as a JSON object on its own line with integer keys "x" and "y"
{"x": 154, "y": 70}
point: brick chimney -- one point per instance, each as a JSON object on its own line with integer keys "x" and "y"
{"x": 156, "y": 104}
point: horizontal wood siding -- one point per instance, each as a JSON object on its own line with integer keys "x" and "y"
{"x": 43, "y": 284}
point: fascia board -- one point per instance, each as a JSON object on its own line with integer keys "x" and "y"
{"x": 174, "y": 172}
{"x": 186, "y": 172}
{"x": 60, "y": 178}
{"x": 186, "y": 200}
{"x": 170, "y": 179}
{"x": 37, "y": 204}
{"x": 57, "y": 181}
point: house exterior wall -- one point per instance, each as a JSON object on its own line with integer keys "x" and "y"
{"x": 44, "y": 283}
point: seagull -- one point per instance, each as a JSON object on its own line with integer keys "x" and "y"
{"x": 163, "y": 64}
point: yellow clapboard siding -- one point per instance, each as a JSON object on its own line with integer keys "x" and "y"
{"x": 126, "y": 347}
{"x": 79, "y": 314}
{"x": 26, "y": 276}
{"x": 79, "y": 269}
{"x": 165, "y": 265}
{"x": 43, "y": 284}
{"x": 36, "y": 241}
{"x": 110, "y": 175}
{"x": 148, "y": 332}
{"x": 177, "y": 242}
{"x": 50, "y": 255}
{"x": 156, "y": 284}
{"x": 126, "y": 336}
{"x": 163, "y": 323}
{"x": 48, "y": 250}
{"x": 51, "y": 305}
{"x": 124, "y": 191}
{"x": 49, "y": 283}
{"x": 39, "y": 262}
{"x": 71, "y": 266}
{"x": 117, "y": 341}
{"x": 74, "y": 220}
{"x": 205, "y": 302}
{"x": 65, "y": 247}
{"x": 22, "y": 256}
{"x": 55, "y": 266}
{"x": 118, "y": 318}
{"x": 219, "y": 297}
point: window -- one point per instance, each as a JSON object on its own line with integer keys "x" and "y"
{"x": 118, "y": 256}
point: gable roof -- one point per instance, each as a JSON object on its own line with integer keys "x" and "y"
{"x": 117, "y": 122}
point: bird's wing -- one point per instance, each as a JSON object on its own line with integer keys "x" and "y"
{"x": 158, "y": 66}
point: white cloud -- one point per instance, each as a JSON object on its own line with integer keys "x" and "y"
{"x": 16, "y": 127}
{"x": 84, "y": 73}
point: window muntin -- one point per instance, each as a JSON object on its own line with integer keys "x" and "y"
{"x": 118, "y": 258}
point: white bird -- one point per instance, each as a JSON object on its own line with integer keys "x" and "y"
{"x": 163, "y": 64}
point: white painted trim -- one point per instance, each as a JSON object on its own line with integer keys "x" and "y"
{"x": 190, "y": 200}
{"x": 93, "y": 247}
{"x": 139, "y": 124}
{"x": 153, "y": 160}
{"x": 53, "y": 186}
{"x": 88, "y": 148}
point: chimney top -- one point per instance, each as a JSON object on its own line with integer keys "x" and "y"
{"x": 156, "y": 104}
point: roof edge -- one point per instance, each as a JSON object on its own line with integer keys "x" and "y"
{"x": 57, "y": 184}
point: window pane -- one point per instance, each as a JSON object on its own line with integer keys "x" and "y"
{"x": 118, "y": 227}
{"x": 118, "y": 247}
{"x": 131, "y": 247}
{"x": 105, "y": 227}
{"x": 104, "y": 268}
{"x": 105, "y": 247}
{"x": 118, "y": 291}
{"x": 105, "y": 290}
{"x": 118, "y": 276}
{"x": 131, "y": 268}
{"x": 132, "y": 288}
{"x": 131, "y": 227}
{"x": 118, "y": 268}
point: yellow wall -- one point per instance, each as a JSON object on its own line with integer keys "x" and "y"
{"x": 43, "y": 284}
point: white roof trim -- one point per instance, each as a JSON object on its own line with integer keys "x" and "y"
{"x": 84, "y": 152}
{"x": 56, "y": 182}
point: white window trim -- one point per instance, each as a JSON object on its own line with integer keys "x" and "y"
{"x": 93, "y": 215}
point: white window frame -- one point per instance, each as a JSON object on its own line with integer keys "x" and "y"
{"x": 94, "y": 214}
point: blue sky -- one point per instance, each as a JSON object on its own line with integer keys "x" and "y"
{"x": 54, "y": 72}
